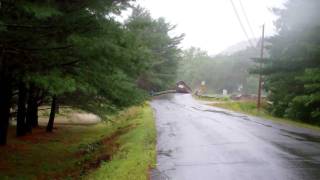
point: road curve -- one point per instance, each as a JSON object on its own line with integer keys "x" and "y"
{"x": 199, "y": 142}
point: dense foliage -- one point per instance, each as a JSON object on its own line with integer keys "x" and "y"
{"x": 77, "y": 53}
{"x": 228, "y": 72}
{"x": 293, "y": 70}
{"x": 162, "y": 53}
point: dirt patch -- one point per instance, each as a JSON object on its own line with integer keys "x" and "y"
{"x": 12, "y": 148}
{"x": 4, "y": 166}
{"x": 109, "y": 146}
{"x": 21, "y": 151}
{"x": 39, "y": 135}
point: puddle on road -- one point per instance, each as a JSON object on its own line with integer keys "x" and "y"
{"x": 292, "y": 137}
{"x": 302, "y": 136}
{"x": 246, "y": 118}
{"x": 304, "y": 162}
{"x": 155, "y": 174}
{"x": 167, "y": 153}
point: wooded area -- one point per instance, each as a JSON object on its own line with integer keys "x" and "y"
{"x": 77, "y": 53}
{"x": 292, "y": 73}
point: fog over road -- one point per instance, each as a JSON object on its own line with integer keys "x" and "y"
{"x": 199, "y": 142}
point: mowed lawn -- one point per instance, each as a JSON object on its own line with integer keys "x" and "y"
{"x": 123, "y": 148}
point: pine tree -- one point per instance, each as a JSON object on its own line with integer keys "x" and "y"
{"x": 293, "y": 69}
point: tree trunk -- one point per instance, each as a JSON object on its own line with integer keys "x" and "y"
{"x": 57, "y": 107}
{"x": 21, "y": 115}
{"x": 34, "y": 114}
{"x": 32, "y": 111}
{"x": 38, "y": 101}
{"x": 52, "y": 114}
{"x": 5, "y": 100}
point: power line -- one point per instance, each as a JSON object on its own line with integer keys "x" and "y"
{"x": 247, "y": 19}
{"x": 241, "y": 24}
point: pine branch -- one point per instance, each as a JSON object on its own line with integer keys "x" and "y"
{"x": 69, "y": 63}
{"x": 25, "y": 26}
{"x": 48, "y": 49}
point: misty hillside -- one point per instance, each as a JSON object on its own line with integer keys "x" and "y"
{"x": 237, "y": 47}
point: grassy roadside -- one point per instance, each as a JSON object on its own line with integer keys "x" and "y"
{"x": 249, "y": 107}
{"x": 110, "y": 150}
{"x": 212, "y": 98}
{"x": 137, "y": 153}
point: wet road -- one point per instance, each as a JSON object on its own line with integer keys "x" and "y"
{"x": 199, "y": 142}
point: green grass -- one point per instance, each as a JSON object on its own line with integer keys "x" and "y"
{"x": 213, "y": 98}
{"x": 249, "y": 107}
{"x": 137, "y": 153}
{"x": 72, "y": 152}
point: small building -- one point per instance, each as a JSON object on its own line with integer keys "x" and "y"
{"x": 182, "y": 87}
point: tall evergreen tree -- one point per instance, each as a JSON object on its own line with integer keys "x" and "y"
{"x": 293, "y": 69}
{"x": 77, "y": 53}
{"x": 42, "y": 45}
{"x": 161, "y": 50}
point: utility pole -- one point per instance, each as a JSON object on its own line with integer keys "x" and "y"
{"x": 260, "y": 69}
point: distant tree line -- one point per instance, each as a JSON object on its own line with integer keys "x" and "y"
{"x": 76, "y": 53}
{"x": 292, "y": 73}
{"x": 229, "y": 72}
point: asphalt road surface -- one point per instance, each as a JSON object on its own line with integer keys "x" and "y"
{"x": 199, "y": 142}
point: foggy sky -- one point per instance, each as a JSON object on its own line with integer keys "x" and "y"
{"x": 212, "y": 24}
